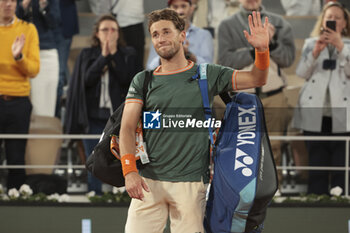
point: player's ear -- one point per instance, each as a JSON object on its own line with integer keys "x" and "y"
{"x": 183, "y": 36}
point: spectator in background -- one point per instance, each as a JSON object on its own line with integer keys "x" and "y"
{"x": 130, "y": 17}
{"x": 345, "y": 3}
{"x": 99, "y": 84}
{"x": 69, "y": 27}
{"x": 198, "y": 46}
{"x": 324, "y": 101}
{"x": 19, "y": 61}
{"x": 305, "y": 7}
{"x": 45, "y": 14}
{"x": 234, "y": 51}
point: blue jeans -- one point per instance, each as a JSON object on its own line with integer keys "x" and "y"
{"x": 95, "y": 127}
{"x": 63, "y": 48}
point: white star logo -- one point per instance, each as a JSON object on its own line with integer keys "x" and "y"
{"x": 156, "y": 115}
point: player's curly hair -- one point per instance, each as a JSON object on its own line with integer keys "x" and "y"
{"x": 166, "y": 14}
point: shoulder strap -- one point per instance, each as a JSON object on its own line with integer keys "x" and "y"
{"x": 201, "y": 75}
{"x": 146, "y": 81}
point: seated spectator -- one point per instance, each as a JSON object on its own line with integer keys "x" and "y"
{"x": 324, "y": 101}
{"x": 199, "y": 45}
{"x": 99, "y": 84}
{"x": 236, "y": 52}
{"x": 19, "y": 61}
{"x": 45, "y": 14}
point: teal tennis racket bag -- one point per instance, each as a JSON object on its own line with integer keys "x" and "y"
{"x": 245, "y": 177}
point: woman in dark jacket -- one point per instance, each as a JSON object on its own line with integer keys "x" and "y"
{"x": 100, "y": 82}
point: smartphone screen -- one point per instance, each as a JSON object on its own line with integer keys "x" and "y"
{"x": 331, "y": 24}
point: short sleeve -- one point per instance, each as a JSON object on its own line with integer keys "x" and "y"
{"x": 221, "y": 78}
{"x": 135, "y": 93}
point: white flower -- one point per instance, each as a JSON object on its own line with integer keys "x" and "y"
{"x": 279, "y": 199}
{"x": 278, "y": 193}
{"x": 116, "y": 190}
{"x": 25, "y": 190}
{"x": 63, "y": 198}
{"x": 91, "y": 194}
{"x": 4, "y": 197}
{"x": 54, "y": 196}
{"x": 336, "y": 191}
{"x": 13, "y": 193}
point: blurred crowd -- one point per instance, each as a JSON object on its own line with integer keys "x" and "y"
{"x": 37, "y": 36}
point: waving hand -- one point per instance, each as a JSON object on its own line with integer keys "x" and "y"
{"x": 259, "y": 33}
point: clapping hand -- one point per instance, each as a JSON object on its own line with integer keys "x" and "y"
{"x": 109, "y": 47}
{"x": 259, "y": 33}
{"x": 18, "y": 45}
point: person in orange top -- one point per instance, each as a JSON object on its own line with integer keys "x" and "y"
{"x": 19, "y": 61}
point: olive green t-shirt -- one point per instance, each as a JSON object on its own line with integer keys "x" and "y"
{"x": 179, "y": 148}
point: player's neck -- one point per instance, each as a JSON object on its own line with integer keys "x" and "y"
{"x": 177, "y": 62}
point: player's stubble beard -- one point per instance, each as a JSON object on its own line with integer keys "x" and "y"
{"x": 170, "y": 53}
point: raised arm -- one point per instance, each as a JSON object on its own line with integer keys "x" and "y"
{"x": 259, "y": 39}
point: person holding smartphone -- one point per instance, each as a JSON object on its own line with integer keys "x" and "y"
{"x": 324, "y": 101}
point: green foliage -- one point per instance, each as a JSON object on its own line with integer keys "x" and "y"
{"x": 39, "y": 197}
{"x": 313, "y": 198}
{"x": 120, "y": 197}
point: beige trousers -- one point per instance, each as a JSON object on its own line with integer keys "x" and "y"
{"x": 183, "y": 202}
{"x": 277, "y": 116}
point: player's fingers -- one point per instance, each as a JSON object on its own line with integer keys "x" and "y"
{"x": 259, "y": 24}
{"x": 145, "y": 186}
{"x": 255, "y": 20}
{"x": 250, "y": 23}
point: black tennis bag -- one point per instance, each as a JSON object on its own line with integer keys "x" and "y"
{"x": 102, "y": 163}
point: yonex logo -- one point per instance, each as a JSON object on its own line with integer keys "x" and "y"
{"x": 246, "y": 161}
{"x": 151, "y": 120}
{"x": 246, "y": 137}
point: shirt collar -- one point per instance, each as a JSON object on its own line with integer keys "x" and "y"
{"x": 10, "y": 23}
{"x": 246, "y": 13}
{"x": 191, "y": 29}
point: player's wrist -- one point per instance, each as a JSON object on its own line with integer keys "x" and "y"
{"x": 128, "y": 164}
{"x": 262, "y": 59}
{"x": 262, "y": 49}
